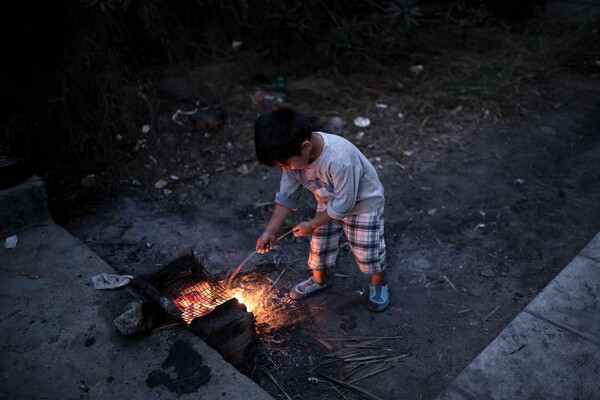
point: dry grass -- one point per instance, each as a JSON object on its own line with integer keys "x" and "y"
{"x": 470, "y": 80}
{"x": 471, "y": 77}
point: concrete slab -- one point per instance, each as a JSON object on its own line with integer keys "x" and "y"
{"x": 531, "y": 359}
{"x": 58, "y": 340}
{"x": 551, "y": 350}
{"x": 572, "y": 300}
{"x": 592, "y": 250}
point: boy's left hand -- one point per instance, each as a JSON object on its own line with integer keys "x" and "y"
{"x": 304, "y": 228}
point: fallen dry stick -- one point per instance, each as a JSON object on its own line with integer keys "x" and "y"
{"x": 349, "y": 386}
{"x": 271, "y": 377}
{"x": 450, "y": 283}
{"x": 321, "y": 364}
{"x": 353, "y": 369}
{"x": 345, "y": 352}
{"x": 392, "y": 358}
{"x": 358, "y": 338}
{"x": 362, "y": 345}
{"x": 165, "y": 327}
{"x": 361, "y": 361}
{"x": 490, "y": 314}
{"x": 375, "y": 371}
{"x": 276, "y": 280}
{"x": 366, "y": 358}
{"x": 324, "y": 343}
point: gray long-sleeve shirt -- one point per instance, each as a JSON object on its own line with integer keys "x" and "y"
{"x": 341, "y": 178}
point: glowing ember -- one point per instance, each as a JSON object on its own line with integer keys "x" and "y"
{"x": 271, "y": 311}
{"x": 196, "y": 300}
{"x": 251, "y": 299}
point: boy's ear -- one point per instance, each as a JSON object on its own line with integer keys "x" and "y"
{"x": 306, "y": 145}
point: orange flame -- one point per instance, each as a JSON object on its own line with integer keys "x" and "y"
{"x": 250, "y": 299}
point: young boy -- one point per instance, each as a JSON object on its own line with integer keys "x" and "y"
{"x": 348, "y": 192}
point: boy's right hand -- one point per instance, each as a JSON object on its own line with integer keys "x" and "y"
{"x": 265, "y": 242}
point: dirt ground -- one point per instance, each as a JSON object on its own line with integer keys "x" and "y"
{"x": 478, "y": 221}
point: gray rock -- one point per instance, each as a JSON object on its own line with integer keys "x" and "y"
{"x": 487, "y": 272}
{"x": 418, "y": 261}
{"x": 137, "y": 318}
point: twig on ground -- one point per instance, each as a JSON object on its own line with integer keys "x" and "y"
{"x": 324, "y": 343}
{"x": 378, "y": 358}
{"x": 362, "y": 345}
{"x": 454, "y": 305}
{"x": 165, "y": 327}
{"x": 343, "y": 353}
{"x": 323, "y": 363}
{"x": 294, "y": 309}
{"x": 272, "y": 378}
{"x": 439, "y": 242}
{"x": 276, "y": 280}
{"x": 489, "y": 315}
{"x": 423, "y": 124}
{"x": 365, "y": 358}
{"x": 353, "y": 369}
{"x": 337, "y": 389}
{"x": 377, "y": 370}
{"x": 341, "y": 275}
{"x": 450, "y": 283}
{"x": 349, "y": 385}
{"x": 350, "y": 338}
{"x": 451, "y": 193}
{"x": 392, "y": 358}
{"x": 545, "y": 185}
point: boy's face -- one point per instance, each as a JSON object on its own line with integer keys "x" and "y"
{"x": 298, "y": 162}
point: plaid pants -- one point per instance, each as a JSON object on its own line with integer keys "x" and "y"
{"x": 365, "y": 236}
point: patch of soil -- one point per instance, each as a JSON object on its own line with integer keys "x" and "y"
{"x": 478, "y": 222}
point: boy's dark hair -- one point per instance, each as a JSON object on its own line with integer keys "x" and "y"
{"x": 279, "y": 134}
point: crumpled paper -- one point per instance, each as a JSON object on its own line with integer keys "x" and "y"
{"x": 110, "y": 281}
{"x": 11, "y": 242}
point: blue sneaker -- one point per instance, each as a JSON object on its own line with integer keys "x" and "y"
{"x": 379, "y": 298}
{"x": 307, "y": 288}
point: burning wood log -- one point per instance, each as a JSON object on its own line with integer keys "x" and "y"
{"x": 229, "y": 329}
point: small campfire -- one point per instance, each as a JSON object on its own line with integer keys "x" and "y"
{"x": 227, "y": 320}
{"x": 187, "y": 292}
{"x": 272, "y": 307}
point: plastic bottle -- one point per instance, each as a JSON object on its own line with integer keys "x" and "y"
{"x": 280, "y": 82}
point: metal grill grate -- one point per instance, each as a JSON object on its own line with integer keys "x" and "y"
{"x": 189, "y": 287}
